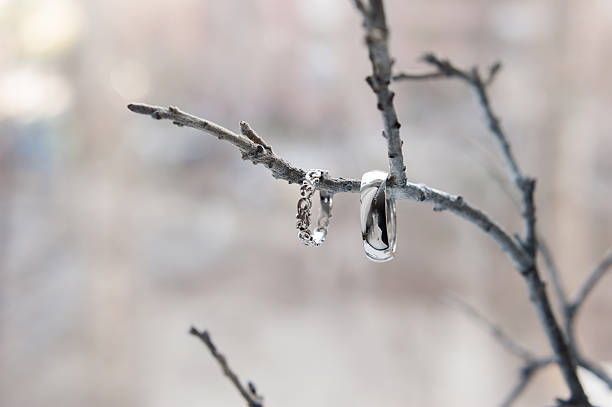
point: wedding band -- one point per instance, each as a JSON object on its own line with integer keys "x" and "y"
{"x": 378, "y": 220}
{"x": 307, "y": 190}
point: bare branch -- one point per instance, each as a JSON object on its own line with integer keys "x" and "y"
{"x": 531, "y": 363}
{"x": 376, "y": 37}
{"x": 526, "y": 374}
{"x": 555, "y": 276}
{"x": 360, "y": 6}
{"x": 446, "y": 69}
{"x": 249, "y": 393}
{"x": 593, "y": 279}
{"x": 566, "y": 312}
{"x": 525, "y": 184}
{"x": 247, "y": 131}
{"x": 252, "y": 151}
{"x": 407, "y": 76}
{"x": 281, "y": 169}
{"x": 493, "y": 70}
{"x": 564, "y": 354}
{"x": 498, "y": 334}
{"x": 569, "y": 310}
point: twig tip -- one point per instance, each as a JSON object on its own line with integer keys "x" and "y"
{"x": 141, "y": 108}
{"x": 429, "y": 57}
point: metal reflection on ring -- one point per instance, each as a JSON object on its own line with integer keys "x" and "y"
{"x": 378, "y": 220}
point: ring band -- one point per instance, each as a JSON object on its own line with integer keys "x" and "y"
{"x": 378, "y": 219}
{"x": 307, "y": 190}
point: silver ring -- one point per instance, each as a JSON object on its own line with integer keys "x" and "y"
{"x": 307, "y": 190}
{"x": 378, "y": 219}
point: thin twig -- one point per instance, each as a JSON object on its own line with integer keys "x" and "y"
{"x": 526, "y": 374}
{"x": 572, "y": 309}
{"x": 525, "y": 184}
{"x": 412, "y": 76}
{"x": 493, "y": 71}
{"x": 566, "y": 310}
{"x": 376, "y": 38}
{"x": 592, "y": 280}
{"x": 446, "y": 69}
{"x": 247, "y": 131}
{"x": 249, "y": 393}
{"x": 569, "y": 309}
{"x": 251, "y": 151}
{"x": 555, "y": 276}
{"x": 360, "y": 6}
{"x": 564, "y": 355}
{"x": 495, "y": 330}
{"x": 531, "y": 364}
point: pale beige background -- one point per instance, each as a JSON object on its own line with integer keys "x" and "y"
{"x": 118, "y": 232}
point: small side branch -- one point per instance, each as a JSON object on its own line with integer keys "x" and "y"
{"x": 570, "y": 308}
{"x": 555, "y": 276}
{"x": 495, "y": 330}
{"x": 563, "y": 354}
{"x": 531, "y": 363}
{"x": 248, "y": 132}
{"x": 249, "y": 393}
{"x": 444, "y": 68}
{"x": 593, "y": 279}
{"x": 252, "y": 147}
{"x": 402, "y": 76}
{"x": 376, "y": 38}
{"x": 525, "y": 375}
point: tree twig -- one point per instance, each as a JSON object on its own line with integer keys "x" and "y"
{"x": 418, "y": 76}
{"x": 472, "y": 77}
{"x": 249, "y": 393}
{"x": 564, "y": 356}
{"x": 495, "y": 330}
{"x": 531, "y": 363}
{"x": 376, "y": 38}
{"x": 553, "y": 271}
{"x": 569, "y": 309}
{"x": 526, "y": 373}
{"x": 592, "y": 280}
{"x": 281, "y": 169}
{"x": 247, "y": 131}
{"x": 253, "y": 151}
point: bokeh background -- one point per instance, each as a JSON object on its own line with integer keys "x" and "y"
{"x": 118, "y": 232}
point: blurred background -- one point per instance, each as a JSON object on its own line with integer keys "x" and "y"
{"x": 118, "y": 232}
